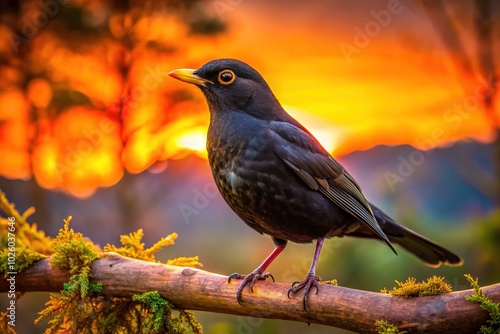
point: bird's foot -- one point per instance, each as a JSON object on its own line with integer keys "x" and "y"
{"x": 311, "y": 281}
{"x": 249, "y": 280}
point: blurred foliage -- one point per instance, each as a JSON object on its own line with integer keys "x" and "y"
{"x": 83, "y": 96}
{"x": 410, "y": 288}
{"x": 486, "y": 304}
{"x": 487, "y": 230}
{"x": 77, "y": 309}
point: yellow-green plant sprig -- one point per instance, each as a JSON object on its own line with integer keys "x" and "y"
{"x": 486, "y": 304}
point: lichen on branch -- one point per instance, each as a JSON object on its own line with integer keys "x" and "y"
{"x": 410, "y": 288}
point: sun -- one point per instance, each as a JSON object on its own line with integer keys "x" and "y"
{"x": 194, "y": 139}
{"x": 328, "y": 135}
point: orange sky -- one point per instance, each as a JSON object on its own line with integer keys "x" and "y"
{"x": 390, "y": 92}
{"x": 399, "y": 87}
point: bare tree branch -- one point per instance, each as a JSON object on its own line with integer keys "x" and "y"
{"x": 194, "y": 289}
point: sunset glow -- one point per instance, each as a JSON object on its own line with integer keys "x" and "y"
{"x": 194, "y": 139}
{"x": 90, "y": 111}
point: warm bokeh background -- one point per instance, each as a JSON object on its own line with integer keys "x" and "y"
{"x": 90, "y": 125}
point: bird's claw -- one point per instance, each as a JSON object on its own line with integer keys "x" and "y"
{"x": 311, "y": 281}
{"x": 249, "y": 280}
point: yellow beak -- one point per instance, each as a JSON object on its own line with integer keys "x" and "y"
{"x": 187, "y": 75}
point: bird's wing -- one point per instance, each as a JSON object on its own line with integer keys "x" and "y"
{"x": 310, "y": 161}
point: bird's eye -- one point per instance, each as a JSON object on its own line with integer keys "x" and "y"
{"x": 226, "y": 77}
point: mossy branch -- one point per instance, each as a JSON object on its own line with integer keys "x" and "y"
{"x": 78, "y": 305}
{"x": 137, "y": 293}
{"x": 194, "y": 289}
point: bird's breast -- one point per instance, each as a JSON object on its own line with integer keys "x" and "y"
{"x": 263, "y": 192}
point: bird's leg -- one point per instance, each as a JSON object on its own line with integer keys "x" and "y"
{"x": 311, "y": 279}
{"x": 259, "y": 273}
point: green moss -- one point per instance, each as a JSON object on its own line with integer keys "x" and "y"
{"x": 158, "y": 306}
{"x": 385, "y": 327}
{"x": 21, "y": 243}
{"x": 410, "y": 288}
{"x": 74, "y": 254}
{"x": 24, "y": 257}
{"x": 182, "y": 261}
{"x": 132, "y": 246}
{"x": 331, "y": 282}
{"x": 78, "y": 308}
{"x": 27, "y": 235}
{"x": 159, "y": 316}
{"x": 73, "y": 307}
{"x": 493, "y": 324}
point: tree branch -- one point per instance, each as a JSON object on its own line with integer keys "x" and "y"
{"x": 195, "y": 289}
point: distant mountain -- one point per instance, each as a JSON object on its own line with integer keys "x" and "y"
{"x": 439, "y": 182}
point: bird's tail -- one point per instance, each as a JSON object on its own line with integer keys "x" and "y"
{"x": 432, "y": 254}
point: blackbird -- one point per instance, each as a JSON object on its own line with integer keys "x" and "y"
{"x": 280, "y": 181}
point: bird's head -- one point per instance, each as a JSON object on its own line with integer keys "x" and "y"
{"x": 230, "y": 85}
